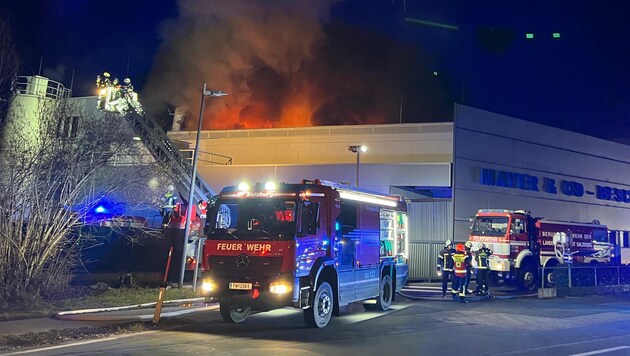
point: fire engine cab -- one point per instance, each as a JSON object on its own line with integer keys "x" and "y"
{"x": 314, "y": 245}
{"x": 522, "y": 244}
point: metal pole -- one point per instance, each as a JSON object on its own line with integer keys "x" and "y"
{"x": 200, "y": 243}
{"x": 357, "y": 167}
{"x": 618, "y": 276}
{"x": 192, "y": 189}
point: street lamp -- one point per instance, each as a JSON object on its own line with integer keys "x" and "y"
{"x": 357, "y": 149}
{"x": 204, "y": 93}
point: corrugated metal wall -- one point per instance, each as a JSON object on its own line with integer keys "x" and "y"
{"x": 430, "y": 224}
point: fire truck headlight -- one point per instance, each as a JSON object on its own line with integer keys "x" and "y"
{"x": 280, "y": 287}
{"x": 243, "y": 187}
{"x": 208, "y": 285}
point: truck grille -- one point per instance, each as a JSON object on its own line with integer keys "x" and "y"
{"x": 257, "y": 266}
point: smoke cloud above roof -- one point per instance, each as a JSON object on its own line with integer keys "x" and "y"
{"x": 287, "y": 63}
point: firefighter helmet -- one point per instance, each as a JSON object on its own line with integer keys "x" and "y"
{"x": 468, "y": 245}
{"x": 106, "y": 74}
{"x": 448, "y": 243}
{"x": 127, "y": 81}
{"x": 459, "y": 248}
{"x": 482, "y": 245}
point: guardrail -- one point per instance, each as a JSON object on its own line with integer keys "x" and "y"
{"x": 41, "y": 87}
{"x": 208, "y": 158}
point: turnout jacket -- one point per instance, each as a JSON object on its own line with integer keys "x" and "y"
{"x": 481, "y": 257}
{"x": 445, "y": 259}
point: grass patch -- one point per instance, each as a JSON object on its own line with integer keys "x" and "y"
{"x": 87, "y": 298}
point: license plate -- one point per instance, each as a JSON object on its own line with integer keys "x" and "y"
{"x": 241, "y": 286}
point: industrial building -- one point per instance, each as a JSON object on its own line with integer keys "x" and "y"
{"x": 447, "y": 171}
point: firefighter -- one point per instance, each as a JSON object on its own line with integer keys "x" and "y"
{"x": 103, "y": 81}
{"x": 128, "y": 87}
{"x": 461, "y": 263}
{"x": 468, "y": 248}
{"x": 445, "y": 264}
{"x": 483, "y": 268}
{"x": 202, "y": 208}
{"x": 168, "y": 206}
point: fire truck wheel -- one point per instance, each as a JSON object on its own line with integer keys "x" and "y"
{"x": 527, "y": 277}
{"x": 384, "y": 300}
{"x": 320, "y": 311}
{"x": 550, "y": 279}
{"x": 234, "y": 314}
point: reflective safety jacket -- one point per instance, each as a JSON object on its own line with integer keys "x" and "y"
{"x": 481, "y": 257}
{"x": 461, "y": 263}
{"x": 169, "y": 200}
{"x": 445, "y": 259}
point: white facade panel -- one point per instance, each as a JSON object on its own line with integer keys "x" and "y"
{"x": 376, "y": 177}
{"x": 506, "y": 163}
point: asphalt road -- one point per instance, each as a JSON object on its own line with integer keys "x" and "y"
{"x": 523, "y": 326}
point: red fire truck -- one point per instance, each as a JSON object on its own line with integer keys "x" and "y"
{"x": 315, "y": 245}
{"x": 522, "y": 244}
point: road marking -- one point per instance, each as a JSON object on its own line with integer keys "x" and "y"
{"x": 540, "y": 349}
{"x": 80, "y": 343}
{"x": 602, "y": 351}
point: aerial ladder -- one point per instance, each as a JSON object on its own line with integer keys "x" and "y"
{"x": 121, "y": 99}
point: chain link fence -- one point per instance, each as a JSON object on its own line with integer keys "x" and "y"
{"x": 596, "y": 277}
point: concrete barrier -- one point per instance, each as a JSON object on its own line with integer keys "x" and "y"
{"x": 547, "y": 292}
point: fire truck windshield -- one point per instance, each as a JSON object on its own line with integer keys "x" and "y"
{"x": 490, "y": 226}
{"x": 253, "y": 219}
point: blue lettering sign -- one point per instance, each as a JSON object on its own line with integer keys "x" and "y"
{"x": 612, "y": 194}
{"x": 508, "y": 179}
{"x": 549, "y": 186}
{"x": 521, "y": 181}
{"x": 571, "y": 188}
{"x": 602, "y": 192}
{"x": 487, "y": 176}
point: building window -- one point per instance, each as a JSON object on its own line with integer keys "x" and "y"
{"x": 68, "y": 127}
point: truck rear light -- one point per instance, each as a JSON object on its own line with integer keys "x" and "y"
{"x": 280, "y": 287}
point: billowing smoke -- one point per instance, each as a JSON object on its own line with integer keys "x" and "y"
{"x": 286, "y": 63}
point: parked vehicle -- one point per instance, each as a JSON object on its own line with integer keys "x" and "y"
{"x": 314, "y": 245}
{"x": 523, "y": 244}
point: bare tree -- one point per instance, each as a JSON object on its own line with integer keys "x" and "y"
{"x": 8, "y": 68}
{"x": 51, "y": 177}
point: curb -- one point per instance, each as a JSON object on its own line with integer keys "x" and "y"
{"x": 91, "y": 314}
{"x": 475, "y": 298}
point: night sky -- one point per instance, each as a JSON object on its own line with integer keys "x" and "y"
{"x": 293, "y": 63}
